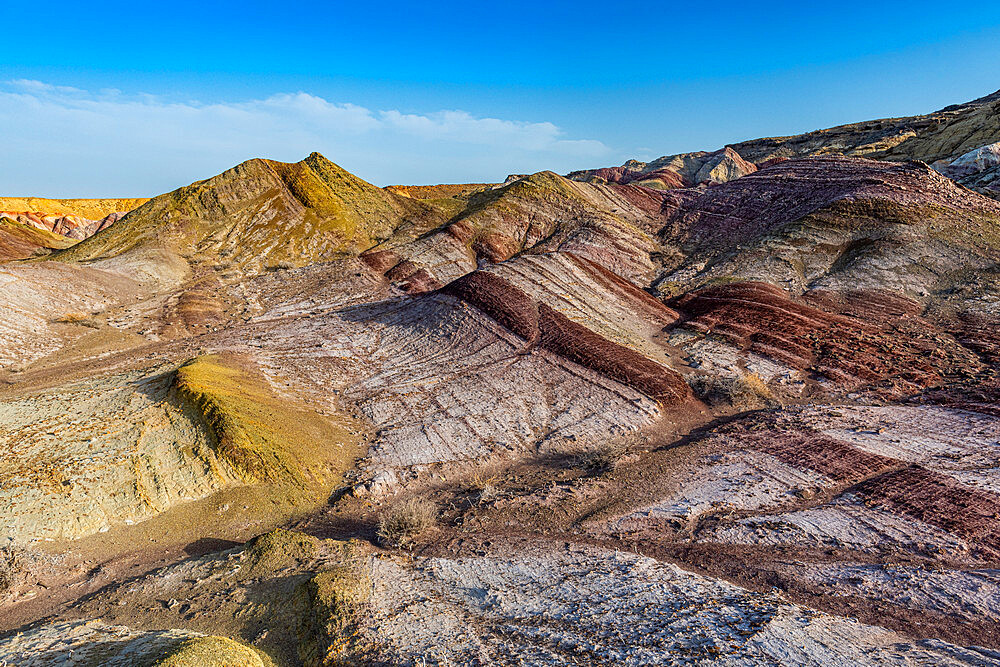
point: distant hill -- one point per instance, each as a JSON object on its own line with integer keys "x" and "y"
{"x": 943, "y": 135}
{"x": 264, "y": 213}
{"x": 18, "y": 241}
{"x": 94, "y": 209}
{"x": 939, "y": 138}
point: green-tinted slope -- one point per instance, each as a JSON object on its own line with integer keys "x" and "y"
{"x": 262, "y": 213}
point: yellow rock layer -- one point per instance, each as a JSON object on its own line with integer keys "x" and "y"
{"x": 93, "y": 209}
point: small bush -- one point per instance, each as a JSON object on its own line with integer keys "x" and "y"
{"x": 83, "y": 319}
{"x": 604, "y": 455}
{"x": 72, "y": 318}
{"x": 484, "y": 488}
{"x": 402, "y": 523}
{"x": 746, "y": 391}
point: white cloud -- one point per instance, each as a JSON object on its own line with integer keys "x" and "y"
{"x": 63, "y": 141}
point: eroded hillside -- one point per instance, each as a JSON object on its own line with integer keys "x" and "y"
{"x": 724, "y": 408}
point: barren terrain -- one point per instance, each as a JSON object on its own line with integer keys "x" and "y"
{"x": 737, "y": 406}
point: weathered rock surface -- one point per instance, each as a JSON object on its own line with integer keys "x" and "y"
{"x": 846, "y": 507}
{"x": 560, "y": 604}
{"x": 511, "y": 602}
{"x": 978, "y": 169}
{"x": 70, "y": 226}
{"x": 37, "y": 296}
{"x": 100, "y": 453}
{"x": 442, "y": 381}
{"x": 121, "y": 449}
{"x": 92, "y": 643}
{"x": 895, "y": 355}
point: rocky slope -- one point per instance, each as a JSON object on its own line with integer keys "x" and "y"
{"x": 282, "y": 416}
{"x": 945, "y": 134}
{"x": 538, "y": 213}
{"x": 978, "y": 169}
{"x": 836, "y": 222}
{"x": 264, "y": 214}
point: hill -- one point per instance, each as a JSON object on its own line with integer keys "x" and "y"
{"x": 93, "y": 209}
{"x": 942, "y": 135}
{"x": 951, "y": 135}
{"x": 834, "y": 221}
{"x": 18, "y": 241}
{"x": 263, "y": 213}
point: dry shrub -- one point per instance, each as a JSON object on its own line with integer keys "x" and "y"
{"x": 605, "y": 455}
{"x": 402, "y": 523}
{"x": 746, "y": 391}
{"x": 77, "y": 318}
{"x": 72, "y": 318}
{"x": 484, "y": 487}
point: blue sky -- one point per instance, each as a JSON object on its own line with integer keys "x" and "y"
{"x": 121, "y": 99}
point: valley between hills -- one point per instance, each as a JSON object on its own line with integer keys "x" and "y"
{"x": 736, "y": 406}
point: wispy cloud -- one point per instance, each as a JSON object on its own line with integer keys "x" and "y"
{"x": 64, "y": 141}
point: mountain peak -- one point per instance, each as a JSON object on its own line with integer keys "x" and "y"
{"x": 262, "y": 212}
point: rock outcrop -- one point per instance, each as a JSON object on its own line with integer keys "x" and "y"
{"x": 121, "y": 450}
{"x": 96, "y": 643}
{"x": 674, "y": 171}
{"x": 896, "y": 354}
{"x": 978, "y": 169}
